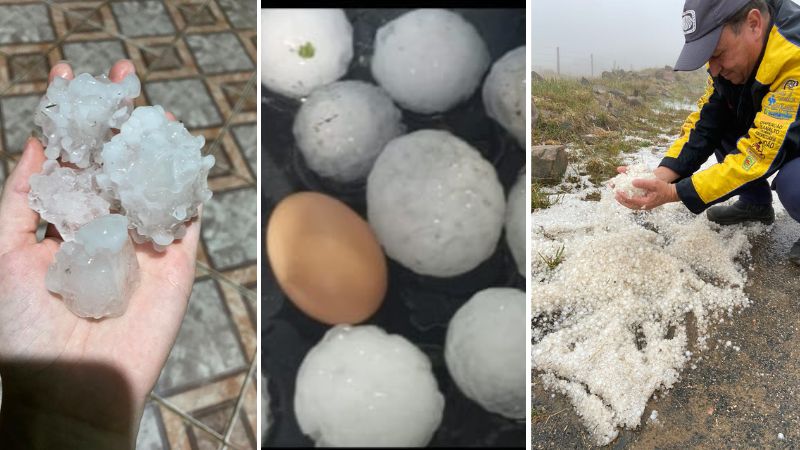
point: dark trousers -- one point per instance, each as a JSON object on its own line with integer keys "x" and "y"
{"x": 787, "y": 184}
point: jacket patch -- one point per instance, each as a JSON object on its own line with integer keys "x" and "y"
{"x": 780, "y": 106}
{"x": 749, "y": 162}
{"x": 790, "y": 84}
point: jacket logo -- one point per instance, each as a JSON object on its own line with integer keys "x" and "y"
{"x": 749, "y": 162}
{"x": 689, "y": 21}
{"x": 790, "y": 84}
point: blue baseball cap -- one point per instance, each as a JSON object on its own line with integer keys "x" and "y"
{"x": 703, "y": 21}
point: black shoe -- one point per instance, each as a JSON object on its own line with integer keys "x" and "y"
{"x": 794, "y": 253}
{"x": 740, "y": 212}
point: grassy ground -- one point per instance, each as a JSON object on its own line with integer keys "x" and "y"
{"x": 595, "y": 116}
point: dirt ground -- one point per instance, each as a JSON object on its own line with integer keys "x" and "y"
{"x": 733, "y": 399}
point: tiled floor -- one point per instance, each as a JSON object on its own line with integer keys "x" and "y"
{"x": 196, "y": 58}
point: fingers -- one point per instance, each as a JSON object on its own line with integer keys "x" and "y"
{"x": 622, "y": 169}
{"x": 647, "y": 185}
{"x": 18, "y": 221}
{"x": 171, "y": 116}
{"x": 120, "y": 70}
{"x": 60, "y": 70}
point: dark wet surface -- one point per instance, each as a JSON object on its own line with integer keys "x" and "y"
{"x": 733, "y": 399}
{"x": 418, "y": 308}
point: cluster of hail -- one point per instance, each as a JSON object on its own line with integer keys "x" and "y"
{"x": 613, "y": 289}
{"x": 151, "y": 177}
{"x": 623, "y": 183}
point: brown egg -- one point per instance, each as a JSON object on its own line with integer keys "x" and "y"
{"x": 326, "y": 258}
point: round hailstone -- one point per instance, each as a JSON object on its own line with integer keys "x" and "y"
{"x": 77, "y": 116}
{"x": 302, "y": 49}
{"x": 485, "y": 350}
{"x": 516, "y": 211}
{"x": 435, "y": 204}
{"x": 429, "y": 60}
{"x": 360, "y": 386}
{"x": 157, "y": 172}
{"x": 66, "y": 197}
{"x": 504, "y": 93}
{"x": 341, "y": 128}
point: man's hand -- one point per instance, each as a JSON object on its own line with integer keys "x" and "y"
{"x": 658, "y": 192}
{"x": 70, "y": 382}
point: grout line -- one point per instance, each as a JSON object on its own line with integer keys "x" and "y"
{"x": 191, "y": 420}
{"x": 240, "y": 401}
{"x": 219, "y": 276}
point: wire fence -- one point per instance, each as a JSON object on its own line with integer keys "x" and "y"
{"x": 559, "y": 61}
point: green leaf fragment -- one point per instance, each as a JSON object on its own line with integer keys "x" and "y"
{"x": 306, "y": 50}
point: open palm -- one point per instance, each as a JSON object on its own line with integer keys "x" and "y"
{"x": 51, "y": 359}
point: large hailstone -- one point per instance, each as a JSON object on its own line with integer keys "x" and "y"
{"x": 429, "y": 60}
{"x": 362, "y": 387}
{"x": 97, "y": 273}
{"x": 157, "y": 172}
{"x": 485, "y": 350}
{"x": 66, "y": 197}
{"x": 504, "y": 93}
{"x": 435, "y": 204}
{"x": 77, "y": 116}
{"x": 302, "y": 49}
{"x": 516, "y": 212}
{"x": 342, "y": 128}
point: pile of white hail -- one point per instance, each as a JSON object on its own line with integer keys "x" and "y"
{"x": 623, "y": 182}
{"x": 609, "y": 319}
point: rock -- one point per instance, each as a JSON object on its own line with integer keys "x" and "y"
{"x": 634, "y": 100}
{"x": 617, "y": 93}
{"x": 97, "y": 273}
{"x": 599, "y": 91}
{"x": 536, "y": 77}
{"x": 585, "y": 82}
{"x": 548, "y": 162}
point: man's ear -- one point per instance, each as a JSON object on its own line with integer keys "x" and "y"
{"x": 755, "y": 21}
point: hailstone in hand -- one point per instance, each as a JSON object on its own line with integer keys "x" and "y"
{"x": 429, "y": 60}
{"x": 302, "y": 49}
{"x": 77, "y": 115}
{"x": 362, "y": 387}
{"x": 504, "y": 93}
{"x": 342, "y": 128}
{"x": 101, "y": 257}
{"x": 156, "y": 170}
{"x": 485, "y": 351}
{"x": 66, "y": 197}
{"x": 435, "y": 204}
{"x": 516, "y": 211}
{"x": 623, "y": 183}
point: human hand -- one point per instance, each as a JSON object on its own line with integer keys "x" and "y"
{"x": 69, "y": 380}
{"x": 657, "y": 193}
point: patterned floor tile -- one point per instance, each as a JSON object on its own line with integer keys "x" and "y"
{"x": 246, "y": 138}
{"x": 217, "y": 418}
{"x": 197, "y": 14}
{"x": 240, "y": 13}
{"x": 95, "y": 57}
{"x": 219, "y": 52}
{"x": 151, "y": 430}
{"x": 16, "y": 114}
{"x": 28, "y": 67}
{"x": 84, "y": 19}
{"x": 143, "y": 18}
{"x": 25, "y": 23}
{"x": 207, "y": 346}
{"x": 229, "y": 228}
{"x": 187, "y": 99}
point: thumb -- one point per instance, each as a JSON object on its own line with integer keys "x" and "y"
{"x": 18, "y": 221}
{"x": 646, "y": 184}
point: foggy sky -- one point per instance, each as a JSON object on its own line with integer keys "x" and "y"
{"x": 641, "y": 33}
